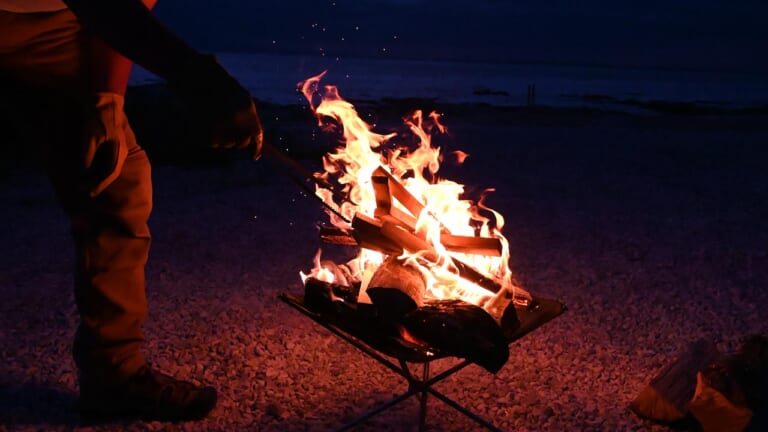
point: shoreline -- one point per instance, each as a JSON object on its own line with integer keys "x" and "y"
{"x": 159, "y": 121}
{"x": 273, "y": 77}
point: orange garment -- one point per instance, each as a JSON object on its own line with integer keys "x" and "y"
{"x": 25, "y": 6}
{"x": 48, "y": 55}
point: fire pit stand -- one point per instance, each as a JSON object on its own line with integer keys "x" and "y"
{"x": 380, "y": 345}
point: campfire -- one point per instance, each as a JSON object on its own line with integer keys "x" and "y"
{"x": 428, "y": 258}
{"x": 430, "y": 277}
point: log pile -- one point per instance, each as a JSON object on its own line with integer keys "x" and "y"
{"x": 392, "y": 231}
{"x": 397, "y": 290}
{"x": 717, "y": 392}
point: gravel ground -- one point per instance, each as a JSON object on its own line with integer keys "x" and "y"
{"x": 652, "y": 230}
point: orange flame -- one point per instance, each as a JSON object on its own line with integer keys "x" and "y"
{"x": 352, "y": 166}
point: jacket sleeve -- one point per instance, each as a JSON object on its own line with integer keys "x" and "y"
{"x": 131, "y": 29}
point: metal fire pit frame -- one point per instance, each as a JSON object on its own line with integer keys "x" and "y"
{"x": 379, "y": 347}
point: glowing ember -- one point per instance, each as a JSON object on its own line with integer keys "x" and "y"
{"x": 423, "y": 217}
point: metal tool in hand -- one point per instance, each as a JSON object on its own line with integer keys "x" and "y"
{"x": 306, "y": 179}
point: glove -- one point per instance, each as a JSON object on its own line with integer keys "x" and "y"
{"x": 105, "y": 143}
{"x": 220, "y": 105}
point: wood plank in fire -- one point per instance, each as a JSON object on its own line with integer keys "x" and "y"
{"x": 399, "y": 191}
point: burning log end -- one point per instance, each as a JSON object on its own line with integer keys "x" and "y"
{"x": 396, "y": 289}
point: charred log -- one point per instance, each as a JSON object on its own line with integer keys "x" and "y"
{"x": 461, "y": 329}
{"x": 502, "y": 309}
{"x": 327, "y": 297}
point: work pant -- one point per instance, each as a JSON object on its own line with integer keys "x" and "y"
{"x": 44, "y": 54}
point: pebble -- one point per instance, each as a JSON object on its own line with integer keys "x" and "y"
{"x": 276, "y": 370}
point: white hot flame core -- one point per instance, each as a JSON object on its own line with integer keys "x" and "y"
{"x": 352, "y": 166}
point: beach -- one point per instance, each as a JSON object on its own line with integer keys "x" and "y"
{"x": 651, "y": 229}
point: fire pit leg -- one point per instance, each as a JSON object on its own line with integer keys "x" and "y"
{"x": 460, "y": 408}
{"x": 423, "y": 398}
{"x": 360, "y": 419}
{"x": 422, "y": 386}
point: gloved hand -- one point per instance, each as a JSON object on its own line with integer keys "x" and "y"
{"x": 105, "y": 142}
{"x": 220, "y": 105}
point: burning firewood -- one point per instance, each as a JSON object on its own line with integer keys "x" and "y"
{"x": 393, "y": 240}
{"x": 335, "y": 235}
{"x": 324, "y": 296}
{"x": 459, "y": 328}
{"x": 367, "y": 233}
{"x": 386, "y": 186}
{"x": 463, "y": 244}
{"x": 391, "y": 223}
{"x": 471, "y": 245}
{"x": 413, "y": 243}
{"x": 451, "y": 326}
{"x": 396, "y": 289}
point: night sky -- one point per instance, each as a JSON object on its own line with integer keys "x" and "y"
{"x": 695, "y": 34}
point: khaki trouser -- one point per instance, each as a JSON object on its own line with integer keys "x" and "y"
{"x": 43, "y": 54}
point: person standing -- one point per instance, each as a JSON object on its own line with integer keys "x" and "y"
{"x": 73, "y": 58}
